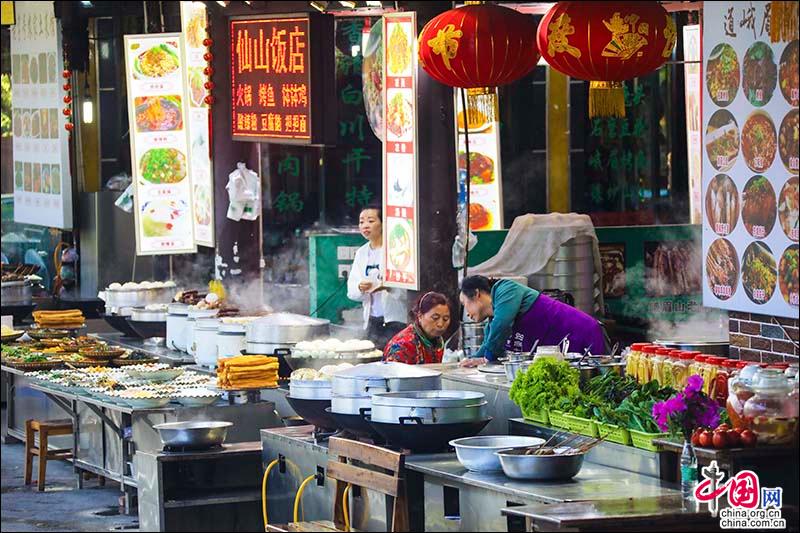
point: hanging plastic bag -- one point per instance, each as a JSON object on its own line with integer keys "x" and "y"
{"x": 244, "y": 194}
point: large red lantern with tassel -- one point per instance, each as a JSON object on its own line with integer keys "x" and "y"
{"x": 606, "y": 43}
{"x": 478, "y": 47}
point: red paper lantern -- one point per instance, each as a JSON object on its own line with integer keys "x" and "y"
{"x": 207, "y": 42}
{"x": 209, "y": 85}
{"x": 67, "y": 87}
{"x": 210, "y": 100}
{"x": 208, "y": 56}
{"x": 67, "y": 111}
{"x": 67, "y": 99}
{"x": 606, "y": 43}
{"x": 66, "y": 74}
{"x": 69, "y": 126}
{"x": 478, "y": 46}
{"x": 208, "y": 71}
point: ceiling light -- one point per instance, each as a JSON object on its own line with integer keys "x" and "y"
{"x": 319, "y": 6}
{"x": 223, "y": 4}
{"x": 374, "y": 4}
{"x": 86, "y": 4}
{"x": 349, "y": 4}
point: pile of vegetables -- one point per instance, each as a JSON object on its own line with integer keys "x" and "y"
{"x": 545, "y": 383}
{"x": 21, "y": 354}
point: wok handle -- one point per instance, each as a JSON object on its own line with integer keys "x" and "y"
{"x": 282, "y": 351}
{"x": 364, "y": 412}
{"x": 404, "y": 419}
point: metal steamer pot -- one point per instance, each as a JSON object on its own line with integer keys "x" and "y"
{"x": 307, "y": 389}
{"x": 366, "y": 386}
{"x": 286, "y": 328}
{"x": 720, "y": 347}
{"x": 117, "y": 298}
{"x": 177, "y": 318}
{"x": 347, "y": 405}
{"x": 428, "y": 407}
{"x": 16, "y": 293}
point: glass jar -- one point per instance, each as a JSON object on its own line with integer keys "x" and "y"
{"x": 771, "y": 412}
{"x": 696, "y": 367}
{"x": 658, "y": 360}
{"x": 633, "y": 358}
{"x": 791, "y": 372}
{"x": 680, "y": 370}
{"x": 644, "y": 368}
{"x": 740, "y": 389}
{"x": 726, "y": 370}
{"x": 710, "y": 373}
{"x": 667, "y": 368}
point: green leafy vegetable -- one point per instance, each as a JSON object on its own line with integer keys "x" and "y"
{"x": 545, "y": 384}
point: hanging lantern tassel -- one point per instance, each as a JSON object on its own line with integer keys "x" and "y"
{"x": 481, "y": 106}
{"x": 606, "y": 99}
{"x": 783, "y": 26}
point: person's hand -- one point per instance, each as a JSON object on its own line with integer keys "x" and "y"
{"x": 365, "y": 286}
{"x": 472, "y": 362}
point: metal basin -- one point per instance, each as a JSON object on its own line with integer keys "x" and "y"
{"x": 286, "y": 328}
{"x": 16, "y": 293}
{"x": 478, "y": 453}
{"x": 720, "y": 347}
{"x": 431, "y": 407}
{"x": 193, "y": 435}
{"x": 513, "y": 368}
{"x": 517, "y": 465}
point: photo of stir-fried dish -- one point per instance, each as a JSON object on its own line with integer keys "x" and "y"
{"x": 789, "y": 208}
{"x": 163, "y": 165}
{"x": 196, "y": 28}
{"x": 759, "y": 273}
{"x": 481, "y": 167}
{"x": 722, "y": 74}
{"x": 759, "y": 207}
{"x": 158, "y": 113}
{"x": 722, "y": 140}
{"x": 400, "y": 244}
{"x": 759, "y": 142}
{"x": 156, "y": 62}
{"x": 787, "y": 275}
{"x": 722, "y": 269}
{"x": 372, "y": 79}
{"x": 398, "y": 115}
{"x": 722, "y": 204}
{"x": 760, "y": 74}
{"x": 789, "y": 140}
{"x": 789, "y": 77}
{"x": 479, "y": 217}
{"x": 399, "y": 52}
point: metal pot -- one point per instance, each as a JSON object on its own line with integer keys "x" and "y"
{"x": 478, "y": 453}
{"x": 431, "y": 407}
{"x": 472, "y": 334}
{"x": 286, "y": 328}
{"x": 345, "y": 405}
{"x": 16, "y": 293}
{"x": 136, "y": 297}
{"x": 516, "y": 465}
{"x": 140, "y": 314}
{"x": 193, "y": 435}
{"x": 205, "y": 342}
{"x": 177, "y": 318}
{"x": 230, "y": 344}
{"x": 721, "y": 347}
{"x": 364, "y": 386}
{"x": 513, "y": 368}
{"x": 304, "y": 389}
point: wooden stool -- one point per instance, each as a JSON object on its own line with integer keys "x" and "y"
{"x": 391, "y": 483}
{"x": 46, "y": 429}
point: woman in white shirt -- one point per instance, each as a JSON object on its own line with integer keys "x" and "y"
{"x": 385, "y": 310}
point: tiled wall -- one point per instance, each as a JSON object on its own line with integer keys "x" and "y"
{"x": 761, "y": 338}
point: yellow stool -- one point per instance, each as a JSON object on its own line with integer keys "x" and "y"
{"x": 46, "y": 429}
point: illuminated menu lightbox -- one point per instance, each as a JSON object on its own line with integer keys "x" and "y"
{"x": 278, "y": 75}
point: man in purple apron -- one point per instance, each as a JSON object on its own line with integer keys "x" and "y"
{"x": 520, "y": 315}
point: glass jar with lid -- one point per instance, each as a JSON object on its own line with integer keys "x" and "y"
{"x": 634, "y": 355}
{"x": 710, "y": 373}
{"x": 724, "y": 373}
{"x": 680, "y": 369}
{"x": 696, "y": 367}
{"x": 771, "y": 412}
{"x": 644, "y": 368}
{"x": 657, "y": 364}
{"x": 740, "y": 389}
{"x": 667, "y": 368}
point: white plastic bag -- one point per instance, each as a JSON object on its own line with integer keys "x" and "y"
{"x": 125, "y": 200}
{"x": 244, "y": 193}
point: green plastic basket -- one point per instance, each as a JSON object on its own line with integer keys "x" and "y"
{"x": 583, "y": 426}
{"x": 644, "y": 440}
{"x": 614, "y": 433}
{"x": 558, "y": 419}
{"x": 541, "y": 416}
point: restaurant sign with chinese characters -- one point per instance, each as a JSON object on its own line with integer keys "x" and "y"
{"x": 400, "y": 192}
{"x": 278, "y": 70}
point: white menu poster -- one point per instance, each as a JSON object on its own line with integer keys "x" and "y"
{"x": 42, "y": 179}
{"x": 193, "y": 21}
{"x": 157, "y": 112}
{"x": 750, "y": 164}
{"x": 400, "y": 228}
{"x": 693, "y": 92}
{"x": 486, "y": 190}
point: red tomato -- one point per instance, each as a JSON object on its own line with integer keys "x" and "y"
{"x": 749, "y": 438}
{"x": 739, "y": 430}
{"x": 720, "y": 440}
{"x": 734, "y": 440}
{"x": 696, "y": 436}
{"x": 706, "y": 439}
{"x": 724, "y": 427}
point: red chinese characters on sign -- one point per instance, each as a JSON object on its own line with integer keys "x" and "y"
{"x": 270, "y": 79}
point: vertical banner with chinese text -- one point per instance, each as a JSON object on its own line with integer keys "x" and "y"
{"x": 42, "y": 178}
{"x": 193, "y": 23}
{"x": 750, "y": 168}
{"x": 400, "y": 202}
{"x": 157, "y": 113}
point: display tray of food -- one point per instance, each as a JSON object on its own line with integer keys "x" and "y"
{"x": 71, "y": 319}
{"x": 9, "y": 334}
{"x": 47, "y": 333}
{"x": 247, "y": 372}
{"x": 325, "y": 352}
{"x": 102, "y": 352}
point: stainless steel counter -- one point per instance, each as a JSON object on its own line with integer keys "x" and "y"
{"x": 444, "y": 495}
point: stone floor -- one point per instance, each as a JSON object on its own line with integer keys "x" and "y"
{"x": 61, "y": 507}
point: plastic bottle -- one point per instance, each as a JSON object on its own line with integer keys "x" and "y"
{"x": 696, "y": 368}
{"x": 634, "y": 356}
{"x": 644, "y": 368}
{"x": 688, "y": 473}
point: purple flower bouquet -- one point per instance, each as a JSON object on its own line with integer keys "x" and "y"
{"x": 687, "y": 410}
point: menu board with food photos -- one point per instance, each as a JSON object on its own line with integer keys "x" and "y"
{"x": 486, "y": 190}
{"x": 400, "y": 202}
{"x": 193, "y": 22}
{"x": 42, "y": 181}
{"x": 750, "y": 168}
{"x": 157, "y": 111}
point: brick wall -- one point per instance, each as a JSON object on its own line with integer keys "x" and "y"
{"x": 758, "y": 338}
